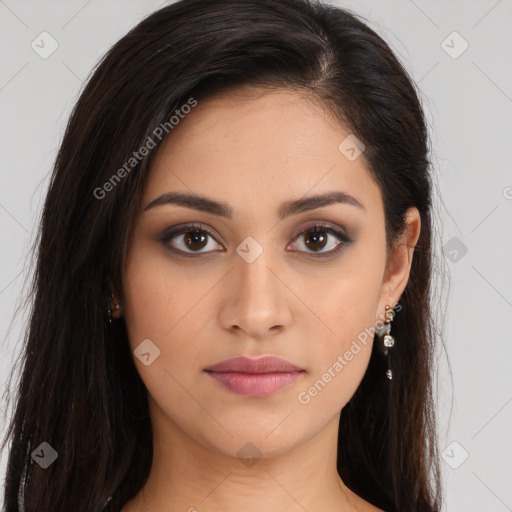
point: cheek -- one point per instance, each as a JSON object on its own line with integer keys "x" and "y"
{"x": 340, "y": 330}
{"x": 338, "y": 362}
{"x": 165, "y": 306}
{"x": 158, "y": 296}
{"x": 172, "y": 307}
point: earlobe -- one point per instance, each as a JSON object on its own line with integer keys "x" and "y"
{"x": 400, "y": 261}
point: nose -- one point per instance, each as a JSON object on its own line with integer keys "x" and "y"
{"x": 257, "y": 299}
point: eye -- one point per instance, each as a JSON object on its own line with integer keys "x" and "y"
{"x": 316, "y": 238}
{"x": 190, "y": 239}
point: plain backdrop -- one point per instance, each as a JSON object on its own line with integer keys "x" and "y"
{"x": 459, "y": 54}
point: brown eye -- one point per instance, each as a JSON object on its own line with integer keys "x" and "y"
{"x": 190, "y": 239}
{"x": 195, "y": 240}
{"x": 321, "y": 241}
{"x": 316, "y": 240}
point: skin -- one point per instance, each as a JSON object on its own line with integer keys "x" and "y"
{"x": 254, "y": 149}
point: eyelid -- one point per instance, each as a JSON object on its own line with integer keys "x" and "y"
{"x": 180, "y": 229}
{"x": 318, "y": 225}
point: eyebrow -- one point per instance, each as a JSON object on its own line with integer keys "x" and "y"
{"x": 222, "y": 209}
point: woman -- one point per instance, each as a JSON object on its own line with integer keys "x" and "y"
{"x": 231, "y": 300}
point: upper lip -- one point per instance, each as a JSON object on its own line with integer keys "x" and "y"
{"x": 265, "y": 364}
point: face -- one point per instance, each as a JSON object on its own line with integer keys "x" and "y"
{"x": 254, "y": 277}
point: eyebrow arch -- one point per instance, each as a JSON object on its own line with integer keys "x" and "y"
{"x": 222, "y": 209}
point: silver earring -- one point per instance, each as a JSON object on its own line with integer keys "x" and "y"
{"x": 113, "y": 312}
{"x": 387, "y": 340}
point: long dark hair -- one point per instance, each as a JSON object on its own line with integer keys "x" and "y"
{"x": 79, "y": 390}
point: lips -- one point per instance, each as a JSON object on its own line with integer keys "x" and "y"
{"x": 266, "y": 364}
{"x": 255, "y": 377}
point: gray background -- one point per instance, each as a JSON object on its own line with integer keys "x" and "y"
{"x": 468, "y": 100}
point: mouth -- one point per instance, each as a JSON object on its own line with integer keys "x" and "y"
{"x": 255, "y": 377}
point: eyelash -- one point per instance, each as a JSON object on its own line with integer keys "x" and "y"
{"x": 317, "y": 227}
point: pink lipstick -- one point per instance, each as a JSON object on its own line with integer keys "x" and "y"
{"x": 255, "y": 377}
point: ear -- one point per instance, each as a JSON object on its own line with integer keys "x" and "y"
{"x": 400, "y": 261}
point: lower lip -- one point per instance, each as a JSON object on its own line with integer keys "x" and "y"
{"x": 255, "y": 384}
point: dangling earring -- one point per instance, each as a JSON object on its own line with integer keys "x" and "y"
{"x": 113, "y": 312}
{"x": 388, "y": 340}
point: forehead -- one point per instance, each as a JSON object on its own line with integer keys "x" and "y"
{"x": 254, "y": 146}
